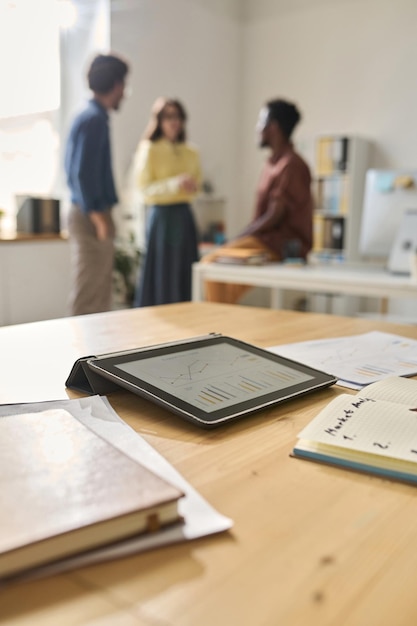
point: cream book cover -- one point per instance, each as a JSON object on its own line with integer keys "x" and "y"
{"x": 242, "y": 256}
{"x": 65, "y": 490}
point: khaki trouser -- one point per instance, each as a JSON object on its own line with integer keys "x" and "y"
{"x": 228, "y": 292}
{"x": 91, "y": 265}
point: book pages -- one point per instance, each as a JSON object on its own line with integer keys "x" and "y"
{"x": 367, "y": 425}
{"x": 394, "y": 389}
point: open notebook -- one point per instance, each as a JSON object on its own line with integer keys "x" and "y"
{"x": 374, "y": 431}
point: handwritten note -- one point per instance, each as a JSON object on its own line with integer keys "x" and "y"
{"x": 367, "y": 425}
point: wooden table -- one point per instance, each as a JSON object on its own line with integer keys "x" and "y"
{"x": 311, "y": 545}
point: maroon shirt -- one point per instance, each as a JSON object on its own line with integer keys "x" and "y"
{"x": 287, "y": 180}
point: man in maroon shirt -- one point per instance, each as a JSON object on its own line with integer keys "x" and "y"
{"x": 282, "y": 225}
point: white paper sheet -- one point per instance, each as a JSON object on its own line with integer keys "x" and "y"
{"x": 356, "y": 360}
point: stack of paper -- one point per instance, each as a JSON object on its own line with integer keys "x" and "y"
{"x": 357, "y": 360}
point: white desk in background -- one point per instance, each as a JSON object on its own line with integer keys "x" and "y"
{"x": 354, "y": 280}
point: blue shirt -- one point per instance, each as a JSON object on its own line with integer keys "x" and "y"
{"x": 88, "y": 160}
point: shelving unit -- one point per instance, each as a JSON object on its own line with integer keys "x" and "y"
{"x": 341, "y": 165}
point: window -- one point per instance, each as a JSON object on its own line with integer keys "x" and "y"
{"x": 29, "y": 57}
{"x": 30, "y": 69}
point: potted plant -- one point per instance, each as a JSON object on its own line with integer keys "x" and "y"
{"x": 126, "y": 266}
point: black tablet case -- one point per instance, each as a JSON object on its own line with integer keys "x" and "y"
{"x": 85, "y": 379}
{"x": 82, "y": 378}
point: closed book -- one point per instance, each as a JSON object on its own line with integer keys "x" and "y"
{"x": 374, "y": 431}
{"x": 338, "y": 231}
{"x": 337, "y": 153}
{"x": 344, "y": 195}
{"x": 324, "y": 156}
{"x": 331, "y": 194}
{"x": 242, "y": 256}
{"x": 327, "y": 233}
{"x": 343, "y": 164}
{"x": 318, "y": 232}
{"x": 65, "y": 490}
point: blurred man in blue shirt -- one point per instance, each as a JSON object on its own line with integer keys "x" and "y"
{"x": 89, "y": 173}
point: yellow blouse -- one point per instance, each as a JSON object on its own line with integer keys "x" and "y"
{"x": 159, "y": 166}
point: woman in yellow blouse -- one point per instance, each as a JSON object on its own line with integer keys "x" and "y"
{"x": 169, "y": 176}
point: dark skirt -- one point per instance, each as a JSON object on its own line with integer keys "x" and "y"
{"x": 171, "y": 249}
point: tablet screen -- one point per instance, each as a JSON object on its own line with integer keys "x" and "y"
{"x": 214, "y": 377}
{"x": 211, "y": 380}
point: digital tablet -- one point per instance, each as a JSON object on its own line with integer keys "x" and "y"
{"x": 210, "y": 380}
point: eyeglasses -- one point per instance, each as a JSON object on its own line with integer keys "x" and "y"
{"x": 171, "y": 116}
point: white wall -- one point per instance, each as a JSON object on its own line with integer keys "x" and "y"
{"x": 90, "y": 35}
{"x": 190, "y": 50}
{"x": 349, "y": 64}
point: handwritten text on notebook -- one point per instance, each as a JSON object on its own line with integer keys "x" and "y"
{"x": 368, "y": 425}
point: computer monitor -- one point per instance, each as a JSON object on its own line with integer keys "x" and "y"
{"x": 405, "y": 244}
{"x": 388, "y": 194}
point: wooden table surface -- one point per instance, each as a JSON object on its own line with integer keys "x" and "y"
{"x": 311, "y": 545}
